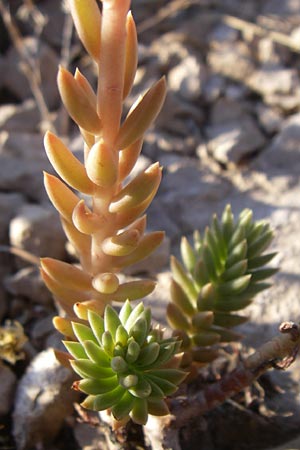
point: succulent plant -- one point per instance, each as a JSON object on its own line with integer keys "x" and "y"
{"x": 107, "y": 226}
{"x": 221, "y": 273}
{"x": 125, "y": 364}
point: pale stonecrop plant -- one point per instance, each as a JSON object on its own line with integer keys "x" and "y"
{"x": 125, "y": 364}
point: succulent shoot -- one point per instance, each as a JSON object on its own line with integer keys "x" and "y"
{"x": 126, "y": 365}
{"x": 221, "y": 273}
{"x": 108, "y": 230}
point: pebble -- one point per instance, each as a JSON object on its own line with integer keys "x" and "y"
{"x": 43, "y": 401}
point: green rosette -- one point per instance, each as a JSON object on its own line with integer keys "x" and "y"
{"x": 219, "y": 275}
{"x": 125, "y": 365}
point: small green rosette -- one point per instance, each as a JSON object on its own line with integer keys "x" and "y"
{"x": 221, "y": 273}
{"x": 125, "y": 365}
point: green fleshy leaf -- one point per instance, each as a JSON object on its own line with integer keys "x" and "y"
{"x": 237, "y": 270}
{"x": 96, "y": 354}
{"x": 176, "y": 319}
{"x": 227, "y": 223}
{"x": 97, "y": 324}
{"x": 123, "y": 407}
{"x": 181, "y": 277}
{"x": 180, "y": 299}
{"x": 139, "y": 329}
{"x": 237, "y": 237}
{"x": 258, "y": 261}
{"x": 111, "y": 320}
{"x": 187, "y": 254}
{"x": 166, "y": 386}
{"x": 75, "y": 349}
{"x": 262, "y": 274}
{"x": 139, "y": 412}
{"x": 108, "y": 343}
{"x": 108, "y": 399}
{"x": 121, "y": 335}
{"x": 157, "y": 407}
{"x": 83, "y": 332}
{"x": 260, "y": 244}
{"x": 156, "y": 391}
{"x": 119, "y": 365}
{"x": 125, "y": 312}
{"x": 128, "y": 381}
{"x": 174, "y": 376}
{"x": 88, "y": 369}
{"x": 167, "y": 350}
{"x": 237, "y": 254}
{"x": 136, "y": 312}
{"x": 142, "y": 389}
{"x": 234, "y": 286}
{"x": 133, "y": 351}
{"x": 148, "y": 354}
{"x": 206, "y": 338}
{"x": 197, "y": 241}
{"x": 228, "y": 320}
{"x": 95, "y": 387}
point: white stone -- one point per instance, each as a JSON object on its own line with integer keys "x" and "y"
{"x": 44, "y": 399}
{"x": 187, "y": 78}
{"x": 232, "y": 141}
{"x": 37, "y": 229}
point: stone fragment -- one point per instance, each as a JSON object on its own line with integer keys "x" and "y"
{"x": 189, "y": 195}
{"x": 178, "y": 116}
{"x": 157, "y": 142}
{"x": 90, "y": 437}
{"x": 279, "y": 8}
{"x": 274, "y": 80}
{"x": 223, "y": 33}
{"x": 37, "y": 229}
{"x": 44, "y": 399}
{"x": 227, "y": 110}
{"x": 160, "y": 297}
{"x": 232, "y": 60}
{"x": 236, "y": 92}
{"x": 269, "y": 118}
{"x": 283, "y": 154}
{"x": 213, "y": 88}
{"x": 288, "y": 104}
{"x": 42, "y": 328}
{"x": 21, "y": 118}
{"x": 9, "y": 204}
{"x": 55, "y": 21}
{"x": 16, "y": 82}
{"x": 158, "y": 219}
{"x": 187, "y": 78}
{"x": 170, "y": 49}
{"x": 235, "y": 140}
{"x": 267, "y": 53}
{"x": 27, "y": 282}
{"x": 8, "y": 382}
{"x": 22, "y": 161}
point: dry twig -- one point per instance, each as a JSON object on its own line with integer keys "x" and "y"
{"x": 28, "y": 66}
{"x": 278, "y": 353}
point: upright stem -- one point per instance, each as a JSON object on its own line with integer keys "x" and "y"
{"x": 112, "y": 66}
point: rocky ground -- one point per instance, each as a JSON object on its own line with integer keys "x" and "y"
{"x": 229, "y": 133}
